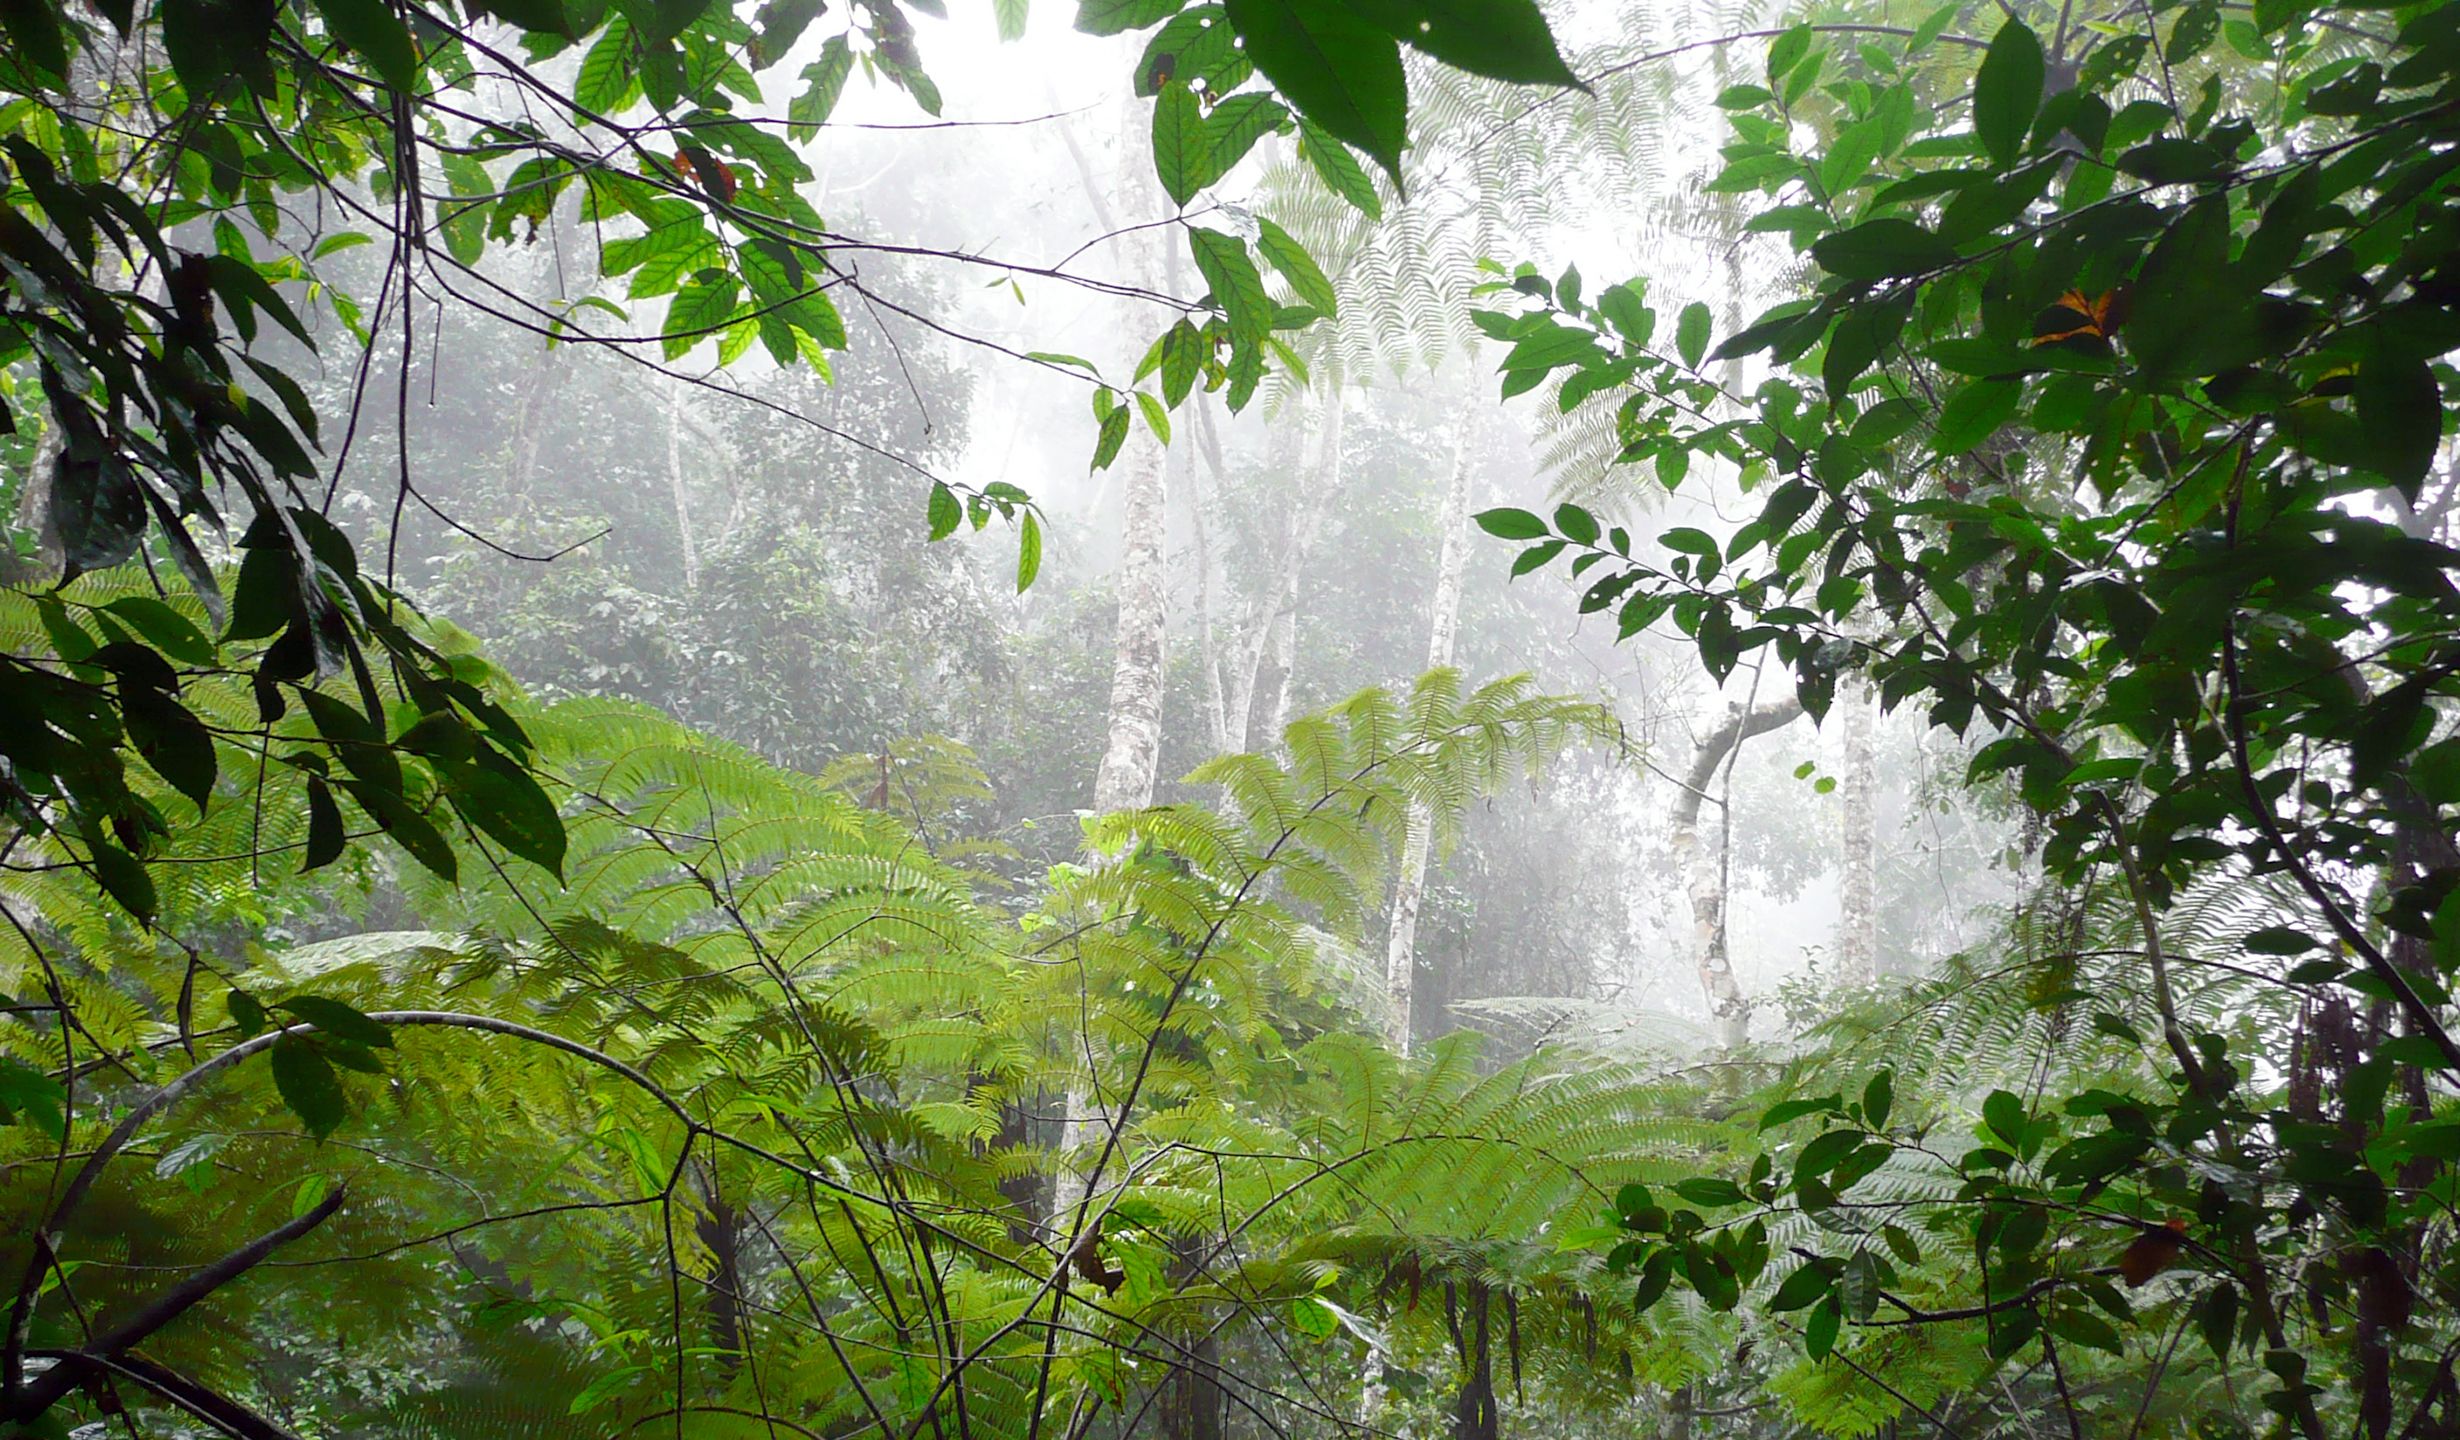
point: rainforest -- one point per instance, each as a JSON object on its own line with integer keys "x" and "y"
{"x": 1229, "y": 719}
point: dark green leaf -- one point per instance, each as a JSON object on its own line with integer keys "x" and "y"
{"x": 1334, "y": 67}
{"x": 507, "y": 805}
{"x": 1975, "y": 413}
{"x": 1819, "y": 1332}
{"x": 28, "y": 1093}
{"x": 324, "y": 837}
{"x": 2400, "y": 416}
{"x": 2007, "y": 90}
{"x": 1501, "y": 39}
{"x": 1179, "y": 145}
{"x": 1691, "y": 333}
{"x": 1114, "y": 17}
{"x": 371, "y": 28}
{"x": 343, "y": 1022}
{"x": 308, "y": 1085}
{"x": 34, "y": 35}
{"x": 1509, "y": 524}
{"x": 1307, "y": 280}
{"x": 1882, "y": 249}
{"x": 1338, "y": 169}
{"x": 1878, "y": 1098}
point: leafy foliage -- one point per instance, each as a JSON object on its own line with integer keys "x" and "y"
{"x": 2104, "y": 435}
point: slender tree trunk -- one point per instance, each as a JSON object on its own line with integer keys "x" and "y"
{"x": 1858, "y": 903}
{"x": 1267, "y": 709}
{"x": 681, "y": 490}
{"x": 1705, "y": 872}
{"x": 1208, "y": 653}
{"x": 1409, "y": 887}
{"x": 1129, "y": 760}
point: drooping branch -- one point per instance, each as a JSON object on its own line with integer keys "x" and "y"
{"x": 38, "y": 1395}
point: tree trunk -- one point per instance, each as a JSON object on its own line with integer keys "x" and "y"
{"x": 1267, "y": 710}
{"x": 681, "y": 491}
{"x": 1857, "y": 944}
{"x": 1125, "y": 781}
{"x": 1474, "y": 1415}
{"x": 1409, "y": 887}
{"x": 1705, "y": 872}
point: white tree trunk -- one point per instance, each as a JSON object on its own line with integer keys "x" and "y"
{"x": 1857, "y": 943}
{"x": 1274, "y": 646}
{"x": 1443, "y": 628}
{"x": 679, "y": 488}
{"x": 1704, "y": 869}
{"x": 1125, "y": 781}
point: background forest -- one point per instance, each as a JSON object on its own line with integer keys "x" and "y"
{"x": 1279, "y": 717}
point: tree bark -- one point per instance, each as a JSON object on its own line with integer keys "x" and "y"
{"x": 1409, "y": 886}
{"x": 1705, "y": 872}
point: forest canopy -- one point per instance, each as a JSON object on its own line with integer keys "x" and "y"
{"x": 699, "y": 739}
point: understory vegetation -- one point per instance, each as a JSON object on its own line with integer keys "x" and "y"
{"x": 1208, "y": 718}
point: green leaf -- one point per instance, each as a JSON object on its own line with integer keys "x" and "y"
{"x": 324, "y": 837}
{"x": 1235, "y": 126}
{"x": 1313, "y": 1318}
{"x": 1115, "y": 17}
{"x": 29, "y": 1093}
{"x": 1537, "y": 557}
{"x": 411, "y": 830}
{"x": 1500, "y": 39}
{"x": 247, "y": 1013}
{"x": 2007, "y": 91}
{"x": 1805, "y": 1286}
{"x": 1334, "y": 67}
{"x": 1179, "y": 148}
{"x": 308, "y": 1085}
{"x": 123, "y": 878}
{"x": 1819, "y": 1332}
{"x": 824, "y": 80}
{"x": 1882, "y": 249}
{"x": 1029, "y": 543}
{"x": 504, "y": 803}
{"x": 1011, "y": 17}
{"x": 1307, "y": 280}
{"x": 1711, "y": 1190}
{"x": 342, "y": 1022}
{"x": 1691, "y": 333}
{"x": 699, "y": 310}
{"x": 1656, "y": 1274}
{"x": 1110, "y": 437}
{"x": 1878, "y": 1098}
{"x": 946, "y": 512}
{"x": 1182, "y": 360}
{"x": 1509, "y": 524}
{"x": 34, "y": 35}
{"x": 1786, "y": 51}
{"x": 1338, "y": 169}
{"x": 1226, "y": 266}
{"x": 172, "y": 740}
{"x": 1157, "y": 415}
{"x": 2400, "y": 416}
{"x": 165, "y": 628}
{"x": 1975, "y": 413}
{"x": 2172, "y": 161}
{"x": 370, "y": 28}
